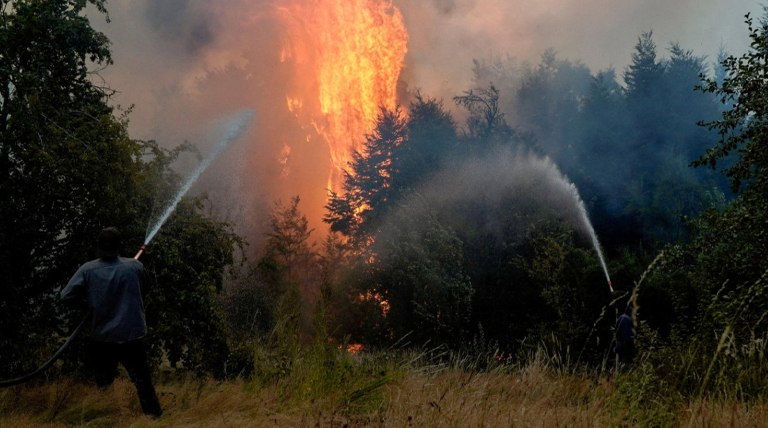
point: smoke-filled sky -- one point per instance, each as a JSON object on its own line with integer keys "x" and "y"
{"x": 446, "y": 34}
{"x": 184, "y": 64}
{"x": 161, "y": 47}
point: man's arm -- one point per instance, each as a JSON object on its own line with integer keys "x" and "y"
{"x": 74, "y": 295}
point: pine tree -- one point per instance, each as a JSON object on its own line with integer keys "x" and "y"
{"x": 642, "y": 76}
{"x": 369, "y": 183}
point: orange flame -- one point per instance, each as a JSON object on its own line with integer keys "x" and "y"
{"x": 353, "y": 52}
{"x": 285, "y": 154}
{"x": 378, "y": 298}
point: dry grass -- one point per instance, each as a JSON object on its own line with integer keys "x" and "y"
{"x": 436, "y": 397}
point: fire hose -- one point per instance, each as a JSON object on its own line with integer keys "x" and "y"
{"x": 64, "y": 347}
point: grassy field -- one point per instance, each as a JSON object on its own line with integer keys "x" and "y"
{"x": 399, "y": 395}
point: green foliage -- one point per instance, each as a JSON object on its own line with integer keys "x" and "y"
{"x": 487, "y": 127}
{"x": 288, "y": 241}
{"x": 568, "y": 295}
{"x": 645, "y": 399}
{"x": 663, "y": 202}
{"x": 247, "y": 303}
{"x": 714, "y": 285}
{"x": 66, "y": 164}
{"x": 550, "y": 98}
{"x": 727, "y": 254}
{"x": 285, "y": 337}
{"x": 354, "y": 384}
{"x": 486, "y": 119}
{"x": 320, "y": 368}
{"x": 722, "y": 358}
{"x": 268, "y": 307}
{"x": 421, "y": 273}
{"x": 417, "y": 269}
{"x": 403, "y": 152}
{"x": 185, "y": 321}
{"x": 625, "y": 148}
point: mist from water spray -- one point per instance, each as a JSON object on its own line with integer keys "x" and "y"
{"x": 493, "y": 189}
{"x": 231, "y": 131}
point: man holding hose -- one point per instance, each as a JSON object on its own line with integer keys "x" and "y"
{"x": 113, "y": 289}
{"x": 625, "y": 338}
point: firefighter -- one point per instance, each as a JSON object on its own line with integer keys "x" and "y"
{"x": 625, "y": 338}
{"x": 113, "y": 289}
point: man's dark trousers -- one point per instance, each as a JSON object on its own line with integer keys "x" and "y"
{"x": 134, "y": 358}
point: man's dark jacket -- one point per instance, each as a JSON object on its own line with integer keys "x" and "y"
{"x": 625, "y": 335}
{"x": 113, "y": 290}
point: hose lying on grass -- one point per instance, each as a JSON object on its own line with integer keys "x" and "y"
{"x": 49, "y": 363}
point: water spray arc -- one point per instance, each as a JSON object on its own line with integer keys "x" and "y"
{"x": 231, "y": 132}
{"x": 591, "y": 230}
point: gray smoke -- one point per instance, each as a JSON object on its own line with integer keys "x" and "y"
{"x": 184, "y": 24}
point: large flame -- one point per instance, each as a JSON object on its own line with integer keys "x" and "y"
{"x": 349, "y": 54}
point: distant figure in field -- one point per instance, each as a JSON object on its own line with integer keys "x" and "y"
{"x": 625, "y": 338}
{"x": 113, "y": 289}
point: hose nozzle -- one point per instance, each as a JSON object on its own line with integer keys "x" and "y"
{"x": 144, "y": 247}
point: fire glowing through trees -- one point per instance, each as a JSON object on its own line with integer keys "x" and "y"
{"x": 351, "y": 52}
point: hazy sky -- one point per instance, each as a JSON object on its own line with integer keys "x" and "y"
{"x": 162, "y": 47}
{"x": 446, "y": 34}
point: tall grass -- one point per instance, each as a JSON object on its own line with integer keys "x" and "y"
{"x": 388, "y": 389}
{"x": 298, "y": 382}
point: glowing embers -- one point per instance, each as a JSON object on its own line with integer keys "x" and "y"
{"x": 354, "y": 348}
{"x": 378, "y": 299}
{"x": 294, "y": 104}
{"x": 351, "y": 53}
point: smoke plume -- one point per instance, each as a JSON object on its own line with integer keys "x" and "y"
{"x": 183, "y": 64}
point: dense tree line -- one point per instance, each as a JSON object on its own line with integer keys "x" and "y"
{"x": 626, "y": 147}
{"x": 528, "y": 272}
{"x": 436, "y": 242}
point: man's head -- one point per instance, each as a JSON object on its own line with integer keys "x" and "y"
{"x": 630, "y": 309}
{"x": 109, "y": 243}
